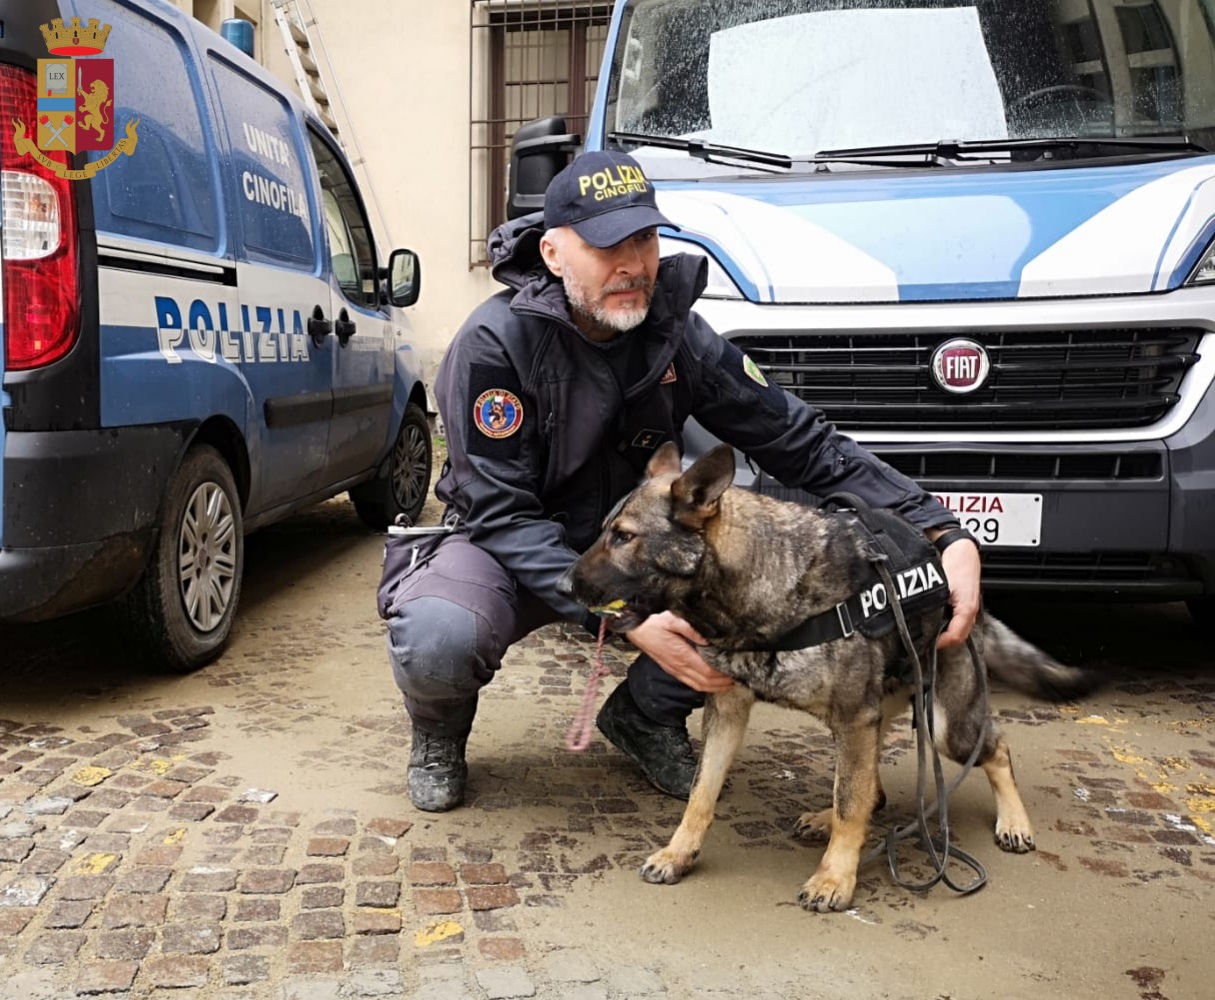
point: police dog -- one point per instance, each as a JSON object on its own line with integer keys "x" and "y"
{"x": 745, "y": 570}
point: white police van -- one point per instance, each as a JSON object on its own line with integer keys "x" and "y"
{"x": 199, "y": 335}
{"x": 976, "y": 233}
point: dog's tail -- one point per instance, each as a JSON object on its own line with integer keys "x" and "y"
{"x": 1024, "y": 667}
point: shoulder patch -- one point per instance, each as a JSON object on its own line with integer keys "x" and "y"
{"x": 753, "y": 372}
{"x": 497, "y": 413}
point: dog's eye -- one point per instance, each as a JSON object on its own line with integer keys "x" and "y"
{"x": 621, "y": 537}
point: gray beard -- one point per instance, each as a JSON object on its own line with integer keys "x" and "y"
{"x": 598, "y": 319}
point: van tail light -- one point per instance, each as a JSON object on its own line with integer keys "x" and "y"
{"x": 41, "y": 238}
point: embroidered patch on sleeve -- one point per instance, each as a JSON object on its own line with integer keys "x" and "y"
{"x": 753, "y": 372}
{"x": 495, "y": 412}
{"x": 748, "y": 379}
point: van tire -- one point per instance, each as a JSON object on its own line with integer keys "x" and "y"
{"x": 406, "y": 484}
{"x": 204, "y": 494}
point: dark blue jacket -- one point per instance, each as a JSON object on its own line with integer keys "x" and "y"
{"x": 537, "y": 496}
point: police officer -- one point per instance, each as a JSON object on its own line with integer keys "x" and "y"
{"x": 554, "y": 395}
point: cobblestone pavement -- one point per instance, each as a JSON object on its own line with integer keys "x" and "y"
{"x": 244, "y": 832}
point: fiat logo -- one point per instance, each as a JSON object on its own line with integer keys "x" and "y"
{"x": 960, "y": 366}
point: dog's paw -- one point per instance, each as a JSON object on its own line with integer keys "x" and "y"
{"x": 1015, "y": 839}
{"x": 825, "y": 893}
{"x": 814, "y": 826}
{"x": 667, "y": 867}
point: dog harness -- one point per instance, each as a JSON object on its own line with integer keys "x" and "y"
{"x": 914, "y": 568}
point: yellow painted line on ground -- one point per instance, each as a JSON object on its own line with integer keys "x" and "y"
{"x": 91, "y": 775}
{"x": 437, "y": 932}
{"x": 174, "y": 837}
{"x": 94, "y": 864}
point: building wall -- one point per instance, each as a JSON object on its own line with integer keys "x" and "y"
{"x": 399, "y": 78}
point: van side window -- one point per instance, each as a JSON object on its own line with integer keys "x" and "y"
{"x": 168, "y": 191}
{"x": 351, "y": 246}
{"x": 268, "y": 167}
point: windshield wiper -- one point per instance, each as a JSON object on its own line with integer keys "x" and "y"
{"x": 938, "y": 153}
{"x": 710, "y": 152}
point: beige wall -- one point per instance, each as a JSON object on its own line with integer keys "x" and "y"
{"x": 401, "y": 70}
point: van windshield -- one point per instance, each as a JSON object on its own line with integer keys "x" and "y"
{"x": 797, "y": 77}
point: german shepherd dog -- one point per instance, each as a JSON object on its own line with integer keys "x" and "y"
{"x": 746, "y": 569}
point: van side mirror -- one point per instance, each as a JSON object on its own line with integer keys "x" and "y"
{"x": 538, "y": 152}
{"x": 404, "y": 280}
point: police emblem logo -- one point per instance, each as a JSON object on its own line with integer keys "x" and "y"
{"x": 75, "y": 102}
{"x": 753, "y": 372}
{"x": 498, "y": 413}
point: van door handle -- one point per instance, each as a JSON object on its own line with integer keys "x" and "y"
{"x": 345, "y": 327}
{"x": 318, "y": 327}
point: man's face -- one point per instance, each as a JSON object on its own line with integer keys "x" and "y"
{"x": 611, "y": 287}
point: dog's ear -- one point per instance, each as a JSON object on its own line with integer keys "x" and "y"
{"x": 665, "y": 459}
{"x": 695, "y": 494}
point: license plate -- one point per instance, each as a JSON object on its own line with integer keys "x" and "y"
{"x": 998, "y": 518}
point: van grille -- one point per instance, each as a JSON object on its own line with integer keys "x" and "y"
{"x": 1015, "y": 466}
{"x": 1066, "y": 379}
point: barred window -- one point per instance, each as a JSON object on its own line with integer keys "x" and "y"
{"x": 529, "y": 60}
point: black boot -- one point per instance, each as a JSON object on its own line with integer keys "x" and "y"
{"x": 437, "y": 771}
{"x": 664, "y": 753}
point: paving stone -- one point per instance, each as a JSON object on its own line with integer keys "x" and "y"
{"x": 318, "y": 924}
{"x": 501, "y": 949}
{"x": 205, "y": 879}
{"x": 134, "y": 911}
{"x": 494, "y": 921}
{"x": 385, "y": 827}
{"x": 493, "y": 874}
{"x": 195, "y": 812}
{"x": 23, "y": 890}
{"x": 191, "y": 939}
{"x": 377, "y": 921}
{"x": 375, "y": 950}
{"x": 312, "y": 989}
{"x": 237, "y": 814}
{"x": 177, "y": 971}
{"x": 106, "y": 977}
{"x": 88, "y": 818}
{"x": 55, "y": 948}
{"x": 132, "y": 944}
{"x": 85, "y": 886}
{"x": 327, "y": 847}
{"x": 267, "y": 880}
{"x": 69, "y": 913}
{"x": 319, "y": 873}
{"x": 377, "y": 894}
{"x": 430, "y": 901}
{"x": 265, "y": 855}
{"x": 207, "y": 909}
{"x": 16, "y": 850}
{"x": 268, "y": 936}
{"x": 53, "y": 806}
{"x": 343, "y": 827}
{"x": 571, "y": 967}
{"x": 20, "y": 829}
{"x": 45, "y": 861}
{"x": 13, "y": 920}
{"x": 271, "y": 835}
{"x": 491, "y": 897}
{"x": 375, "y": 864}
{"x": 431, "y": 873}
{"x": 587, "y": 991}
{"x": 443, "y": 991}
{"x": 165, "y": 788}
{"x": 315, "y": 956}
{"x": 256, "y": 909}
{"x": 320, "y": 896}
{"x": 500, "y": 984}
{"x": 374, "y": 983}
{"x": 161, "y": 855}
{"x": 240, "y": 970}
{"x": 145, "y": 879}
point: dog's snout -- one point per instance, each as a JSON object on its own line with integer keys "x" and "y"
{"x": 565, "y": 585}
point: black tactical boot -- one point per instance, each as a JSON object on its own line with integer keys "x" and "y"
{"x": 664, "y": 752}
{"x": 437, "y": 771}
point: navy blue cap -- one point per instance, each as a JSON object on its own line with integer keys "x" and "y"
{"x": 604, "y": 197}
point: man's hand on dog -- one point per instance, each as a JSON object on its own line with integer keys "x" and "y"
{"x": 962, "y": 567}
{"x": 668, "y": 640}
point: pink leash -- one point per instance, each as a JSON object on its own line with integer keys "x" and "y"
{"x": 579, "y": 735}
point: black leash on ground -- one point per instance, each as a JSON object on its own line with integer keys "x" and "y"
{"x": 922, "y": 698}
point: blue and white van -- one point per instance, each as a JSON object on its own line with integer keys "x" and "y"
{"x": 199, "y": 333}
{"x": 977, "y": 233}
